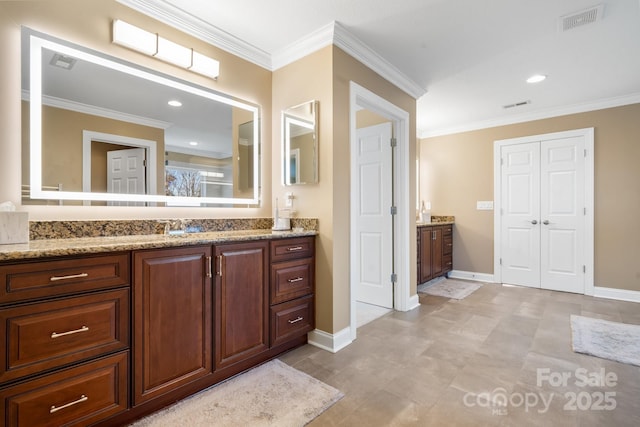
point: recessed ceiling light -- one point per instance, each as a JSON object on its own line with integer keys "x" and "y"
{"x": 194, "y": 143}
{"x": 536, "y": 78}
{"x": 175, "y": 103}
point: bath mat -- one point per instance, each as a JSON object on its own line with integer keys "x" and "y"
{"x": 449, "y": 288}
{"x": 273, "y": 394}
{"x": 609, "y": 340}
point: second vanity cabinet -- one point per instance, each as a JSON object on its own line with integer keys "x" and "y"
{"x": 435, "y": 251}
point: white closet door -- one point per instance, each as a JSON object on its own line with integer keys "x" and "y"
{"x": 520, "y": 183}
{"x": 562, "y": 213}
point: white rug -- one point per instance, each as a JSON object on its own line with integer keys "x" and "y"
{"x": 273, "y": 394}
{"x": 449, "y": 288}
{"x": 606, "y": 339}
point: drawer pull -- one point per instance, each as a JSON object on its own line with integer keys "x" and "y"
{"x": 294, "y": 248}
{"x": 71, "y": 276}
{"x": 75, "y": 331}
{"x": 297, "y": 279}
{"x": 54, "y": 408}
{"x": 295, "y": 320}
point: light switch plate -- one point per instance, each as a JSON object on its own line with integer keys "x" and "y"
{"x": 484, "y": 205}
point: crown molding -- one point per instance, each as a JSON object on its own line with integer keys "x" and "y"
{"x": 346, "y": 41}
{"x": 189, "y": 24}
{"x": 92, "y": 110}
{"x": 304, "y": 46}
{"x": 333, "y": 33}
{"x": 601, "y": 104}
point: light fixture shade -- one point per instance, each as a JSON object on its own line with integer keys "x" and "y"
{"x": 204, "y": 65}
{"x": 173, "y": 52}
{"x": 134, "y": 38}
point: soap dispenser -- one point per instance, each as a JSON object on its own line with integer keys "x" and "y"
{"x": 425, "y": 212}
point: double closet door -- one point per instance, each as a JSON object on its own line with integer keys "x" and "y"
{"x": 542, "y": 214}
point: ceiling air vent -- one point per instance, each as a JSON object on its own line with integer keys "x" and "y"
{"x": 583, "y": 17}
{"x": 516, "y": 104}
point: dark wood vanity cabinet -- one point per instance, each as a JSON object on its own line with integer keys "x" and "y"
{"x": 435, "y": 250}
{"x": 241, "y": 301}
{"x": 65, "y": 332}
{"x": 106, "y": 339}
{"x": 292, "y": 288}
{"x": 173, "y": 329}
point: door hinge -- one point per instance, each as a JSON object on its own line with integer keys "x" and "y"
{"x": 584, "y": 268}
{"x": 585, "y": 152}
{"x": 394, "y": 142}
{"x": 584, "y": 210}
{"x": 394, "y": 277}
{"x": 394, "y": 210}
{"x": 144, "y": 163}
{"x": 501, "y": 161}
{"x": 500, "y": 261}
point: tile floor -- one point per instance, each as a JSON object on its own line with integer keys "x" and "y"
{"x": 443, "y": 364}
{"x": 366, "y": 313}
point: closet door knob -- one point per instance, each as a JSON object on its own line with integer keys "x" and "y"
{"x": 545, "y": 222}
{"x": 534, "y": 222}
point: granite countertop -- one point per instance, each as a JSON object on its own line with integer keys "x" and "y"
{"x": 88, "y": 245}
{"x": 437, "y": 220}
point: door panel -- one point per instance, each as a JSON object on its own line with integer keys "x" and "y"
{"x": 562, "y": 214}
{"x": 520, "y": 214}
{"x": 374, "y": 200}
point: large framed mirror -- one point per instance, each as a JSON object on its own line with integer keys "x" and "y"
{"x": 101, "y": 131}
{"x": 300, "y": 144}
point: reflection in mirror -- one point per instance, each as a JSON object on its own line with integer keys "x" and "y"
{"x": 97, "y": 130}
{"x": 300, "y": 144}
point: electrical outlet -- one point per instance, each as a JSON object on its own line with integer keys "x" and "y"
{"x": 484, "y": 205}
{"x": 288, "y": 199}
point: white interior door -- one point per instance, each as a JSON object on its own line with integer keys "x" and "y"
{"x": 543, "y": 214}
{"x": 126, "y": 172}
{"x": 562, "y": 213}
{"x": 373, "y": 203}
{"x": 520, "y": 210}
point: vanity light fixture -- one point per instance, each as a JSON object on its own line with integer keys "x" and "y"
{"x": 152, "y": 44}
{"x": 536, "y": 78}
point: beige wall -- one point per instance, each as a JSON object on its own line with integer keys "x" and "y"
{"x": 308, "y": 79}
{"x": 457, "y": 170}
{"x": 325, "y": 76}
{"x": 59, "y": 18}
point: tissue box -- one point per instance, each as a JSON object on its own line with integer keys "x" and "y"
{"x": 14, "y": 227}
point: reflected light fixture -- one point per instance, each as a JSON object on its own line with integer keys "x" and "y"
{"x": 536, "y": 78}
{"x": 152, "y": 44}
{"x": 175, "y": 103}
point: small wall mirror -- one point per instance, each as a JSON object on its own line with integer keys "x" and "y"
{"x": 300, "y": 144}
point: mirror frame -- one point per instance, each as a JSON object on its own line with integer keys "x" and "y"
{"x": 287, "y": 120}
{"x": 38, "y": 42}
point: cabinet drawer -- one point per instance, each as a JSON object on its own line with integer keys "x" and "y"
{"x": 50, "y": 334}
{"x": 447, "y": 263}
{"x": 291, "y": 279}
{"x": 447, "y": 230}
{"x": 447, "y": 245}
{"x": 285, "y": 249}
{"x": 44, "y": 279}
{"x": 291, "y": 319}
{"x": 79, "y": 396}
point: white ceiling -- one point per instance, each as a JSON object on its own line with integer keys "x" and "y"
{"x": 471, "y": 57}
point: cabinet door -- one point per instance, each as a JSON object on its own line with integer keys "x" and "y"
{"x": 241, "y": 301}
{"x": 426, "y": 237}
{"x": 173, "y": 319}
{"x": 437, "y": 265}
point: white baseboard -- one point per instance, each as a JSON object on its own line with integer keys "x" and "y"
{"x": 470, "y": 275}
{"x": 619, "y": 294}
{"x": 330, "y": 342}
{"x": 414, "y": 302}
